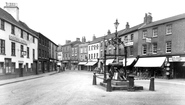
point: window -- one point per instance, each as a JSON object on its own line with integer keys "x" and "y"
{"x": 97, "y": 46}
{"x": 109, "y": 51}
{"x": 28, "y": 51}
{"x": 101, "y": 54}
{"x": 21, "y": 33}
{"x": 13, "y": 67}
{"x": 89, "y": 48}
{"x": 168, "y": 47}
{"x": 101, "y": 44}
{"x": 2, "y": 46}
{"x": 2, "y": 24}
{"x": 13, "y": 29}
{"x": 155, "y": 32}
{"x": 22, "y": 48}
{"x": 154, "y": 48}
{"x": 126, "y": 39}
{"x": 131, "y": 50}
{"x": 8, "y": 65}
{"x": 89, "y": 56}
{"x": 96, "y": 55}
{"x": 33, "y": 54}
{"x": 33, "y": 39}
{"x": 144, "y": 34}
{"x": 1, "y": 67}
{"x": 39, "y": 52}
{"x": 13, "y": 49}
{"x": 26, "y": 67}
{"x": 169, "y": 29}
{"x": 131, "y": 37}
{"x": 144, "y": 49}
{"x": 27, "y": 36}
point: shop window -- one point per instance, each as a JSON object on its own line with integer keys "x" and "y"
{"x": 1, "y": 67}
{"x": 13, "y": 67}
{"x": 8, "y": 65}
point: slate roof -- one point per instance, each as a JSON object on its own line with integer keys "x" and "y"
{"x": 9, "y": 18}
{"x": 166, "y": 20}
{"x": 129, "y": 30}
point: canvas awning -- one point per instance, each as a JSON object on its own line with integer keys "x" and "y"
{"x": 90, "y": 63}
{"x": 82, "y": 63}
{"x": 150, "y": 62}
{"x": 109, "y": 61}
{"x": 129, "y": 61}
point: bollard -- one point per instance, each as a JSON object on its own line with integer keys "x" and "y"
{"x": 94, "y": 79}
{"x": 152, "y": 87}
{"x": 131, "y": 83}
{"x": 109, "y": 87}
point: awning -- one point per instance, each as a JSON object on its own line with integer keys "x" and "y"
{"x": 109, "y": 61}
{"x": 150, "y": 62}
{"x": 90, "y": 63}
{"x": 129, "y": 61}
{"x": 82, "y": 63}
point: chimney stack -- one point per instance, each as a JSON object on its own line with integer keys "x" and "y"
{"x": 94, "y": 37}
{"x": 13, "y": 9}
{"x": 108, "y": 33}
{"x": 77, "y": 39}
{"x": 68, "y": 41}
{"x": 148, "y": 18}
{"x": 127, "y": 26}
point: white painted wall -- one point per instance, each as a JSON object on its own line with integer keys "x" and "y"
{"x": 94, "y": 51}
{"x": 4, "y": 34}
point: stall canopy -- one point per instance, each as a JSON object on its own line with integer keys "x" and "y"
{"x": 129, "y": 61}
{"x": 82, "y": 63}
{"x": 109, "y": 61}
{"x": 90, "y": 63}
{"x": 150, "y": 62}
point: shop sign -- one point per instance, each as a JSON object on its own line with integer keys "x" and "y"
{"x": 176, "y": 58}
{"x": 148, "y": 40}
{"x": 16, "y": 39}
{"x": 129, "y": 44}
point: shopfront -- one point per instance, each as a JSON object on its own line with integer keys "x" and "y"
{"x": 151, "y": 66}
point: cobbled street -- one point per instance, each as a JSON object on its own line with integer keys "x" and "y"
{"x": 75, "y": 88}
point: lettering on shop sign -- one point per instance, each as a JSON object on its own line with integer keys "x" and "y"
{"x": 14, "y": 38}
{"x": 176, "y": 58}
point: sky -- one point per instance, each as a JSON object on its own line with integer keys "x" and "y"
{"x": 61, "y": 20}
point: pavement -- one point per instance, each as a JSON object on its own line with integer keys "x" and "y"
{"x": 20, "y": 79}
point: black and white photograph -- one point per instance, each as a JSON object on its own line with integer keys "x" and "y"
{"x": 92, "y": 52}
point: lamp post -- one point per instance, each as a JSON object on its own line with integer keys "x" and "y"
{"x": 117, "y": 40}
{"x": 104, "y": 61}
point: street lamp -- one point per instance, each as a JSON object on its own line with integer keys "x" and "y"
{"x": 117, "y": 40}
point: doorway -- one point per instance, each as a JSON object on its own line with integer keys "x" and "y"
{"x": 20, "y": 70}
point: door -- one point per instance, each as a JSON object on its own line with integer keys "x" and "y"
{"x": 20, "y": 70}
